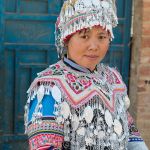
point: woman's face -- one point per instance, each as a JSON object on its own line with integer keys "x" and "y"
{"x": 88, "y": 47}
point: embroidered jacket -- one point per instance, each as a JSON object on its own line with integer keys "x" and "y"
{"x": 69, "y": 107}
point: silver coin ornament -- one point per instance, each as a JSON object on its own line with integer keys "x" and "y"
{"x": 78, "y": 7}
{"x": 91, "y": 134}
{"x": 75, "y": 122}
{"x": 105, "y": 4}
{"x": 59, "y": 119}
{"x": 82, "y": 148}
{"x": 127, "y": 102}
{"x": 108, "y": 118}
{"x": 95, "y": 2}
{"x": 113, "y": 136}
{"x": 81, "y": 131}
{"x": 89, "y": 141}
{"x": 88, "y": 114}
{"x": 87, "y": 3}
{"x": 40, "y": 93}
{"x": 117, "y": 127}
{"x": 56, "y": 93}
{"x": 28, "y": 101}
{"x": 96, "y": 132}
{"x": 101, "y": 134}
{"x": 65, "y": 110}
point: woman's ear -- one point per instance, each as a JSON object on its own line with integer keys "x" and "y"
{"x": 66, "y": 45}
{"x": 110, "y": 41}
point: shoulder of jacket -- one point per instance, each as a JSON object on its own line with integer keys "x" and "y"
{"x": 45, "y": 75}
{"x": 108, "y": 69}
{"x": 54, "y": 69}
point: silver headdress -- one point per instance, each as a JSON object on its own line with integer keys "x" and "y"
{"x": 76, "y": 15}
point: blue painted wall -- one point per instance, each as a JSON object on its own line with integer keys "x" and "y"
{"x": 27, "y": 47}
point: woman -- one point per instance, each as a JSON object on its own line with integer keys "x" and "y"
{"x": 78, "y": 103}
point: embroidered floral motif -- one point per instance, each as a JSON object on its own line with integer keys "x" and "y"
{"x": 85, "y": 82}
{"x": 71, "y": 78}
{"x": 78, "y": 84}
{"x": 45, "y": 140}
{"x": 52, "y": 70}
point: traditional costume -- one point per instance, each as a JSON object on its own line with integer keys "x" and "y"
{"x": 71, "y": 107}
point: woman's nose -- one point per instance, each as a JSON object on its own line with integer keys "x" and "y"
{"x": 93, "y": 45}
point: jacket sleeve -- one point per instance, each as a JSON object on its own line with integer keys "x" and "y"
{"x": 135, "y": 141}
{"x": 44, "y": 133}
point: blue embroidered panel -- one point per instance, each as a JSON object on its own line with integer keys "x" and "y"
{"x": 47, "y": 109}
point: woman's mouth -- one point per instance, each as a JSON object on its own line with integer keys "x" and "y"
{"x": 92, "y": 57}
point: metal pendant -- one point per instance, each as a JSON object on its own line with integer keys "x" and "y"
{"x": 105, "y": 4}
{"x": 87, "y": 3}
{"x": 88, "y": 114}
{"x": 65, "y": 110}
{"x": 82, "y": 148}
{"x": 28, "y": 101}
{"x": 77, "y": 8}
{"x": 96, "y": 132}
{"x": 81, "y": 131}
{"x": 95, "y": 2}
{"x": 59, "y": 119}
{"x": 75, "y": 122}
{"x": 40, "y": 93}
{"x": 113, "y": 136}
{"x": 91, "y": 134}
{"x": 117, "y": 127}
{"x": 108, "y": 118}
{"x": 127, "y": 102}
{"x": 89, "y": 141}
{"x": 56, "y": 93}
{"x": 101, "y": 134}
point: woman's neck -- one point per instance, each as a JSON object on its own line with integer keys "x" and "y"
{"x": 76, "y": 66}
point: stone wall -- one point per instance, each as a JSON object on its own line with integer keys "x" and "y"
{"x": 139, "y": 91}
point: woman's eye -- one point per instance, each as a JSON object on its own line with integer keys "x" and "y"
{"x": 102, "y": 37}
{"x": 84, "y": 37}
